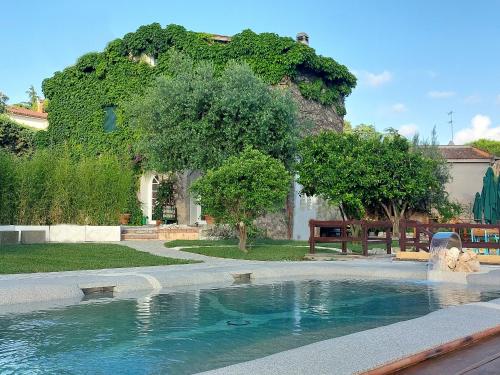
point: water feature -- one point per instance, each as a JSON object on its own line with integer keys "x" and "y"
{"x": 186, "y": 332}
{"x": 447, "y": 261}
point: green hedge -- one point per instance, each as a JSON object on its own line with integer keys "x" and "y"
{"x": 16, "y": 138}
{"x": 79, "y": 95}
{"x": 50, "y": 187}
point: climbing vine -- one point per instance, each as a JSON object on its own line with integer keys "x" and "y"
{"x": 80, "y": 94}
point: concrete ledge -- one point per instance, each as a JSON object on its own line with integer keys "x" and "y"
{"x": 32, "y": 236}
{"x": 367, "y": 350}
{"x": 102, "y": 233}
{"x": 10, "y": 237}
{"x": 67, "y": 233}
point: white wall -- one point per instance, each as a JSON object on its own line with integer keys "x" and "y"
{"x": 32, "y": 122}
{"x": 71, "y": 233}
{"x": 467, "y": 180}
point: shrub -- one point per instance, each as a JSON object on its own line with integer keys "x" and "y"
{"x": 51, "y": 187}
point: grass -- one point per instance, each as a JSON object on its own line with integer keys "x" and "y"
{"x": 257, "y": 252}
{"x": 232, "y": 242}
{"x": 69, "y": 257}
{"x": 262, "y": 249}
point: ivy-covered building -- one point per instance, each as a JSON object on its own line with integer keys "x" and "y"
{"x": 87, "y": 100}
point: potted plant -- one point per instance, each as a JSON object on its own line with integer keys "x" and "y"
{"x": 125, "y": 218}
{"x": 158, "y": 213}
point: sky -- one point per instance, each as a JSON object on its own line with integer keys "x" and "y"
{"x": 416, "y": 60}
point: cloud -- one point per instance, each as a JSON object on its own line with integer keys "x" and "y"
{"x": 376, "y": 80}
{"x": 480, "y": 128}
{"x": 408, "y": 130}
{"x": 398, "y": 108}
{"x": 440, "y": 94}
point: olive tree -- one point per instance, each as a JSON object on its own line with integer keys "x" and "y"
{"x": 243, "y": 188}
{"x": 196, "y": 116}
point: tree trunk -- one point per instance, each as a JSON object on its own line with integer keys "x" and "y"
{"x": 394, "y": 214}
{"x": 242, "y": 234}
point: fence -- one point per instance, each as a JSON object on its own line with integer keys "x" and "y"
{"x": 344, "y": 229}
{"x": 464, "y": 230}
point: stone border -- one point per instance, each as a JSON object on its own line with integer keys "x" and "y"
{"x": 376, "y": 350}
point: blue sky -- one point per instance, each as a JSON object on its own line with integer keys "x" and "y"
{"x": 415, "y": 60}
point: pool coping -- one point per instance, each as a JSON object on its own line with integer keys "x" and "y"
{"x": 361, "y": 350}
{"x": 380, "y": 350}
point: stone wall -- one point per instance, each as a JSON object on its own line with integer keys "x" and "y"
{"x": 323, "y": 117}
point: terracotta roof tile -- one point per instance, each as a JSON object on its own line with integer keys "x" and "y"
{"x": 26, "y": 112}
{"x": 464, "y": 152}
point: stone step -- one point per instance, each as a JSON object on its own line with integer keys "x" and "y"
{"x": 139, "y": 236}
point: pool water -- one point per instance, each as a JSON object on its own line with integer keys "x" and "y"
{"x": 192, "y": 331}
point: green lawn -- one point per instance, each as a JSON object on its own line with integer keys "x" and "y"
{"x": 258, "y": 252}
{"x": 68, "y": 257}
{"x": 261, "y": 249}
{"x": 183, "y": 243}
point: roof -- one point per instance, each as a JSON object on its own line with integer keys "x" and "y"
{"x": 452, "y": 152}
{"x": 221, "y": 38}
{"x": 26, "y": 112}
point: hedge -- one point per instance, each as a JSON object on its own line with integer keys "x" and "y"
{"x": 51, "y": 187}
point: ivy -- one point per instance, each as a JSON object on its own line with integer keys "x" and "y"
{"x": 80, "y": 94}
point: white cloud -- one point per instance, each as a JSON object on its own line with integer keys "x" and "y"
{"x": 408, "y": 130}
{"x": 376, "y": 80}
{"x": 440, "y": 94}
{"x": 398, "y": 108}
{"x": 480, "y": 128}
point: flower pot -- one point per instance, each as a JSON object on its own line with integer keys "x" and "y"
{"x": 209, "y": 219}
{"x": 125, "y": 219}
{"x": 158, "y": 223}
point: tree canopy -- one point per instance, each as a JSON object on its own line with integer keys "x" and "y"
{"x": 193, "y": 119}
{"x": 243, "y": 188}
{"x": 379, "y": 173}
{"x": 488, "y": 145}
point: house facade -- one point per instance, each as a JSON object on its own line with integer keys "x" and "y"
{"x": 468, "y": 166}
{"x": 32, "y": 119}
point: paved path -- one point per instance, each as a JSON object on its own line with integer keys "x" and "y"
{"x": 157, "y": 247}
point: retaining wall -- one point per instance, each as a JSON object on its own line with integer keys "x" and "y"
{"x": 71, "y": 233}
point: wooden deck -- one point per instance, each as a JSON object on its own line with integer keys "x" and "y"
{"x": 481, "y": 358}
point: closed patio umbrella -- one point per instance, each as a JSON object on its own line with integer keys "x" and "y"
{"x": 477, "y": 210}
{"x": 489, "y": 197}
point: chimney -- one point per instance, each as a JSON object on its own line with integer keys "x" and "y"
{"x": 303, "y": 38}
{"x": 39, "y": 105}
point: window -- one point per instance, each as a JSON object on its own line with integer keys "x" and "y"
{"x": 109, "y": 119}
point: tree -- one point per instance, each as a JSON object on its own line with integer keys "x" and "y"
{"x": 3, "y": 102}
{"x": 243, "y": 188}
{"x": 488, "y": 145}
{"x": 366, "y": 174}
{"x": 199, "y": 118}
{"x": 32, "y": 97}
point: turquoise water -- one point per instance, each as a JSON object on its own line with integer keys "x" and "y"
{"x": 188, "y": 332}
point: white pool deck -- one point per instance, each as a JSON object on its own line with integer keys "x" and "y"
{"x": 351, "y": 354}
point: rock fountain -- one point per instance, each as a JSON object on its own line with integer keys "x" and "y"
{"x": 447, "y": 261}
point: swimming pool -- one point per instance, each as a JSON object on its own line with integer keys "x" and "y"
{"x": 191, "y": 331}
